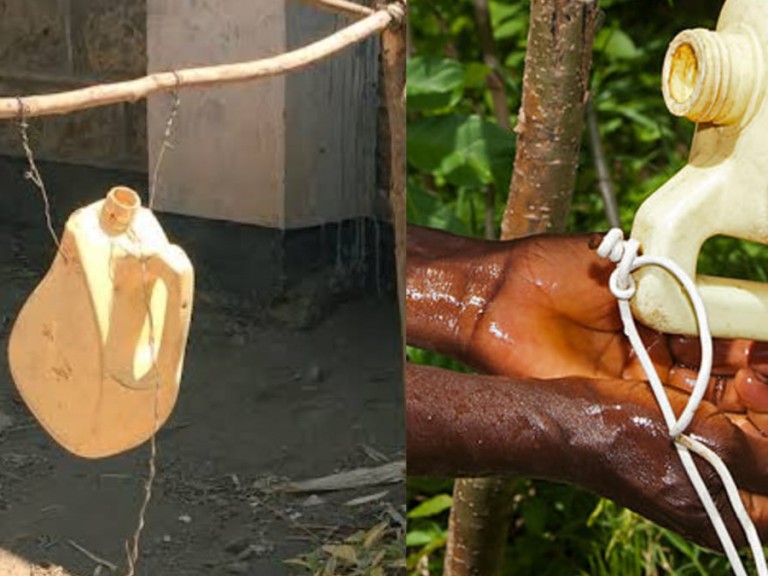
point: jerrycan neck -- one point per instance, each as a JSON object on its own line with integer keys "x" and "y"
{"x": 119, "y": 210}
{"x": 717, "y": 78}
{"x": 713, "y": 76}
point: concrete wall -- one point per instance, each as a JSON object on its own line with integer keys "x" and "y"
{"x": 331, "y": 121}
{"x": 53, "y": 45}
{"x": 228, "y": 159}
{"x": 286, "y": 152}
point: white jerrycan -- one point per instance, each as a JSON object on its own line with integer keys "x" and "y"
{"x": 95, "y": 367}
{"x": 717, "y": 79}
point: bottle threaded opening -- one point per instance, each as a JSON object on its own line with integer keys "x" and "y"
{"x": 683, "y": 73}
{"x": 119, "y": 209}
{"x": 710, "y": 76}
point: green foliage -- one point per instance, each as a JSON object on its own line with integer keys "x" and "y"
{"x": 454, "y": 153}
{"x": 456, "y": 150}
{"x": 457, "y": 153}
{"x": 434, "y": 83}
{"x": 431, "y": 507}
{"x": 427, "y": 523}
{"x": 465, "y": 151}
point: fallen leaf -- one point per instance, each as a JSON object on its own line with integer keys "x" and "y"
{"x": 343, "y": 552}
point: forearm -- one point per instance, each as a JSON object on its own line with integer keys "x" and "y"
{"x": 606, "y": 438}
{"x": 472, "y": 425}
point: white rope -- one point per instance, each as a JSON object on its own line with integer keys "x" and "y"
{"x": 622, "y": 285}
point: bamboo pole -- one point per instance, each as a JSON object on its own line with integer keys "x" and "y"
{"x": 132, "y": 90}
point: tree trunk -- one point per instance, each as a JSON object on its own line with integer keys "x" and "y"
{"x": 551, "y": 121}
{"x": 550, "y": 126}
{"x": 478, "y": 526}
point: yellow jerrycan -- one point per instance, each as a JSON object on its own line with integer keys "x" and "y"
{"x": 95, "y": 367}
{"x": 718, "y": 80}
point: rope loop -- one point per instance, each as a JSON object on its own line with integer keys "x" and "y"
{"x": 397, "y": 11}
{"x": 622, "y": 285}
{"x": 612, "y": 246}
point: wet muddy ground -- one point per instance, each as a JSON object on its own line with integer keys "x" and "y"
{"x": 293, "y": 371}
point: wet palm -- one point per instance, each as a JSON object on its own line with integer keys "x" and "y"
{"x": 540, "y": 307}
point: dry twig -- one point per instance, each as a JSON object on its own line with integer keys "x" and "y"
{"x": 604, "y": 181}
{"x": 386, "y": 474}
{"x": 98, "y": 559}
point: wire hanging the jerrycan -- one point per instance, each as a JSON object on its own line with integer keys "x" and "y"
{"x": 718, "y": 80}
{"x": 95, "y": 366}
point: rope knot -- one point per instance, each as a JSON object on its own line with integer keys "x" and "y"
{"x": 397, "y": 10}
{"x": 624, "y": 253}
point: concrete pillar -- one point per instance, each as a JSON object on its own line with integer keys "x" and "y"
{"x": 285, "y": 152}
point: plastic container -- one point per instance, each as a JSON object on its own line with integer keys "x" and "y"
{"x": 81, "y": 349}
{"x": 717, "y": 79}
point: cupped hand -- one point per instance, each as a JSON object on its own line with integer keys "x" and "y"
{"x": 540, "y": 307}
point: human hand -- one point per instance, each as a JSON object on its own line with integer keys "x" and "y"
{"x": 540, "y": 307}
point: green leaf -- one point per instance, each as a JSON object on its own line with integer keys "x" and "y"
{"x": 423, "y": 535}
{"x": 616, "y": 44}
{"x": 434, "y": 83}
{"x": 426, "y": 208}
{"x": 418, "y": 538}
{"x": 428, "y": 75}
{"x": 475, "y": 74}
{"x": 534, "y": 512}
{"x": 511, "y": 29}
{"x": 508, "y": 20}
{"x": 501, "y": 11}
{"x": 432, "y": 507}
{"x": 464, "y": 150}
{"x": 515, "y": 60}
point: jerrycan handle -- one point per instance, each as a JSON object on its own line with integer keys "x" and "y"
{"x": 171, "y": 267}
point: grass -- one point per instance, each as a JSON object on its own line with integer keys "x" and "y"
{"x": 377, "y": 551}
{"x": 560, "y": 530}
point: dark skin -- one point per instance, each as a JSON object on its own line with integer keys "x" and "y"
{"x": 569, "y": 401}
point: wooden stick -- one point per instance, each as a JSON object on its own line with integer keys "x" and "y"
{"x": 132, "y": 90}
{"x": 97, "y": 559}
{"x": 343, "y": 7}
{"x": 389, "y": 473}
{"x": 604, "y": 180}
{"x": 394, "y": 55}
